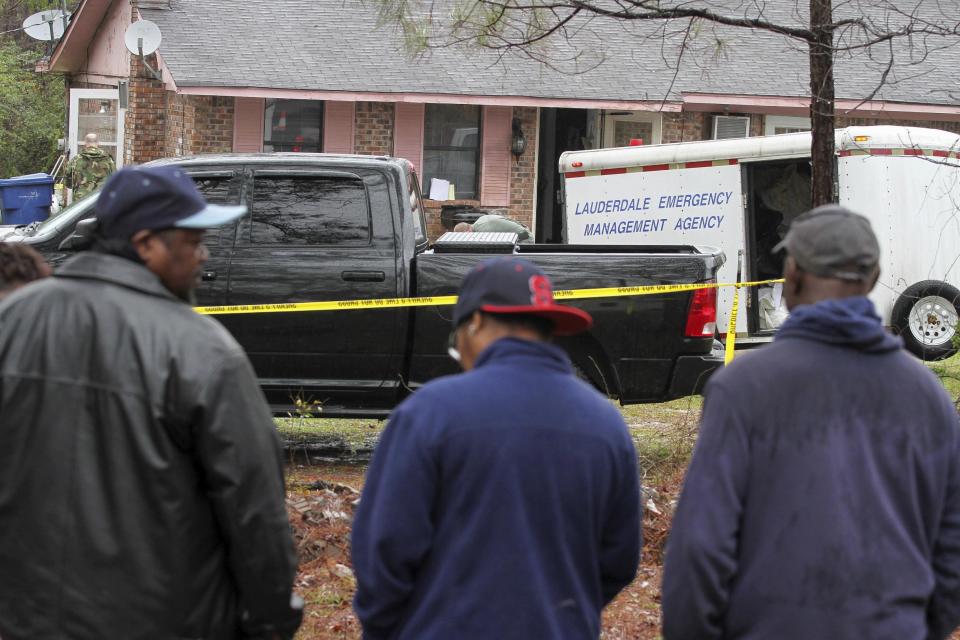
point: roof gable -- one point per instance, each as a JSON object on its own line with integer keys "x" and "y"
{"x": 93, "y": 42}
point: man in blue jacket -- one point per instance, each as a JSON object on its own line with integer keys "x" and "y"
{"x": 823, "y": 498}
{"x": 502, "y": 502}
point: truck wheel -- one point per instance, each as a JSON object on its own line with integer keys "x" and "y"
{"x": 581, "y": 373}
{"x": 925, "y": 316}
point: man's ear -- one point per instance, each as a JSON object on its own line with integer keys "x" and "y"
{"x": 874, "y": 279}
{"x": 793, "y": 280}
{"x": 476, "y": 323}
{"x": 143, "y": 242}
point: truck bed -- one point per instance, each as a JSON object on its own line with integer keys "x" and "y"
{"x": 636, "y": 350}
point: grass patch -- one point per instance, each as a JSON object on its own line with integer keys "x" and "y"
{"x": 312, "y": 440}
{"x": 354, "y": 433}
{"x": 664, "y": 435}
{"x": 949, "y": 373}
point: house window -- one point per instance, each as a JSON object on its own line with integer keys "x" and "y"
{"x": 775, "y": 125}
{"x": 292, "y": 125}
{"x": 451, "y": 147}
{"x": 620, "y": 127}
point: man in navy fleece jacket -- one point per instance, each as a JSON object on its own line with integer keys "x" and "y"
{"x": 502, "y": 502}
{"x": 823, "y": 498}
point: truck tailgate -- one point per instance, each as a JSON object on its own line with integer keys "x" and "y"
{"x": 636, "y": 341}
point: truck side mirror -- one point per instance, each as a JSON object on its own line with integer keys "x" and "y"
{"x": 82, "y": 236}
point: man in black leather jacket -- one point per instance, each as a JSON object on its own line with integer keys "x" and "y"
{"x": 141, "y": 481}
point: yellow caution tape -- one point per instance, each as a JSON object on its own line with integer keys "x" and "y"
{"x": 393, "y": 303}
{"x": 732, "y": 327}
{"x": 336, "y": 305}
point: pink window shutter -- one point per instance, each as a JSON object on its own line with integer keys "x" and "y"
{"x": 408, "y": 133}
{"x": 248, "y": 125}
{"x": 495, "y": 156}
{"x": 338, "y": 126}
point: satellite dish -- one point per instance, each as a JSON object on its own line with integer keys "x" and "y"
{"x": 46, "y": 25}
{"x": 142, "y": 38}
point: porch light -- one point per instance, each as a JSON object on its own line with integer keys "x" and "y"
{"x": 519, "y": 143}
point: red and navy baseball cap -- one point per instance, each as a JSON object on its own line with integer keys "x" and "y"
{"x": 155, "y": 198}
{"x": 513, "y": 285}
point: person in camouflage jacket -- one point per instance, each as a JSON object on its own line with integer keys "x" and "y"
{"x": 89, "y": 169}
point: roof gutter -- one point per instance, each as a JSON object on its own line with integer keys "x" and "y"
{"x": 800, "y": 106}
{"x": 432, "y": 98}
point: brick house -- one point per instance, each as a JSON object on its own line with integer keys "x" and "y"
{"x": 303, "y": 75}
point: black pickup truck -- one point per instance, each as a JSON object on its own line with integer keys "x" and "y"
{"x": 325, "y": 227}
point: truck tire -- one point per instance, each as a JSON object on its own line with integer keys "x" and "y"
{"x": 581, "y": 373}
{"x": 596, "y": 380}
{"x": 925, "y": 316}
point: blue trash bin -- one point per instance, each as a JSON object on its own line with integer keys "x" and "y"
{"x": 26, "y": 199}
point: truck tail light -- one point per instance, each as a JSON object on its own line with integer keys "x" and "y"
{"x": 702, "y": 315}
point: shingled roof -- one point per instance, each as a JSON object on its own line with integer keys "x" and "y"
{"x": 338, "y": 45}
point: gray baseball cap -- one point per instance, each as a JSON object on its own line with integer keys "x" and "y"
{"x": 833, "y": 242}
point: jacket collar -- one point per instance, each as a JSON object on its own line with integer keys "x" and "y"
{"x": 850, "y": 322}
{"x": 514, "y": 349}
{"x": 91, "y": 265}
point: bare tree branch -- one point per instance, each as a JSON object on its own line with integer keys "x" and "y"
{"x": 889, "y": 35}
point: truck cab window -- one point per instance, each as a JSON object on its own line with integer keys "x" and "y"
{"x": 306, "y": 210}
{"x": 219, "y": 188}
{"x": 416, "y": 206}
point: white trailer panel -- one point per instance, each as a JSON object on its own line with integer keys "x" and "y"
{"x": 906, "y": 180}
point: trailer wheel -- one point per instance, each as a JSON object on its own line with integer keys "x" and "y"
{"x": 925, "y": 316}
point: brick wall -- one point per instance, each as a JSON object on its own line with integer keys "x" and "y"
{"x": 523, "y": 170}
{"x": 198, "y": 124}
{"x": 692, "y": 126}
{"x": 180, "y": 116}
{"x": 685, "y": 127}
{"x": 146, "y": 121}
{"x": 374, "y": 128}
{"x": 161, "y": 123}
{"x": 213, "y": 124}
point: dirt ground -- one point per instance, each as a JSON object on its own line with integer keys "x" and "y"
{"x": 320, "y": 506}
{"x": 320, "y": 502}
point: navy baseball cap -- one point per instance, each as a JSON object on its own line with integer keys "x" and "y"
{"x": 513, "y": 285}
{"x": 155, "y": 198}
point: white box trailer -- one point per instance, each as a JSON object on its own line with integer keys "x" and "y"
{"x": 741, "y": 195}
